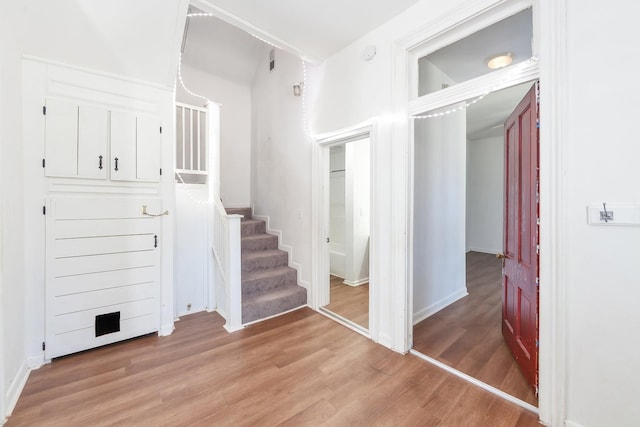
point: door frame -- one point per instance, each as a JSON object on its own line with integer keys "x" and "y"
{"x": 549, "y": 27}
{"x": 320, "y": 289}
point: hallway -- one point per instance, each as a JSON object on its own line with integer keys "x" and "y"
{"x": 467, "y": 335}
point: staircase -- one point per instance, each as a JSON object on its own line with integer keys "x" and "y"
{"x": 269, "y": 285}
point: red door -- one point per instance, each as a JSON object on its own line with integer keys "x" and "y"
{"x": 520, "y": 262}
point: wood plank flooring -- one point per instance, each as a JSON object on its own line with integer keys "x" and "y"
{"x": 350, "y": 302}
{"x": 467, "y": 334}
{"x": 297, "y": 369}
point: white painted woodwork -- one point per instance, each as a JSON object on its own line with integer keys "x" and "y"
{"x": 103, "y": 279}
{"x": 92, "y": 141}
{"x": 61, "y": 138}
{"x": 123, "y": 146}
{"x": 76, "y": 136}
{"x": 148, "y": 149}
{"x": 73, "y": 341}
{"x": 103, "y": 245}
{"x": 227, "y": 254}
{"x": 103, "y": 227}
{"x": 193, "y": 250}
{"x": 92, "y": 270}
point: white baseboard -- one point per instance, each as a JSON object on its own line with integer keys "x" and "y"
{"x": 568, "y": 423}
{"x": 288, "y": 249}
{"x": 234, "y": 328}
{"x": 439, "y": 305}
{"x": 357, "y": 282}
{"x": 16, "y": 387}
{"x": 166, "y": 330}
{"x": 35, "y": 362}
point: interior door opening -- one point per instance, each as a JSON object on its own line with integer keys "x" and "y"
{"x": 349, "y": 212}
{"x": 460, "y": 169}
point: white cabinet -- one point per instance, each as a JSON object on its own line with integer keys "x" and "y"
{"x": 92, "y": 142}
{"x": 148, "y": 149}
{"x": 123, "y": 146}
{"x": 135, "y": 147}
{"x": 75, "y": 140}
{"x": 61, "y": 138}
{"x": 83, "y": 141}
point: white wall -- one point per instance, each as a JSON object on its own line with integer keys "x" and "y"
{"x": 357, "y": 212}
{"x": 337, "y": 221}
{"x": 12, "y": 226}
{"x": 485, "y": 194}
{"x": 281, "y": 158}
{"x": 353, "y": 90}
{"x": 431, "y": 78}
{"x": 235, "y": 130}
{"x": 439, "y": 213}
{"x": 601, "y": 165}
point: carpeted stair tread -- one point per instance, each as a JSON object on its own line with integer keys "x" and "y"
{"x": 264, "y": 259}
{"x": 252, "y": 226}
{"x": 261, "y": 305}
{"x": 268, "y": 279}
{"x": 255, "y": 242}
{"x": 246, "y": 212}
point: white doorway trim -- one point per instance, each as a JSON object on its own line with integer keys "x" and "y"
{"x": 320, "y": 291}
{"x": 549, "y": 33}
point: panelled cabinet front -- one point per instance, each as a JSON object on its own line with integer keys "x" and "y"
{"x": 100, "y": 141}
{"x": 85, "y": 141}
{"x": 102, "y": 263}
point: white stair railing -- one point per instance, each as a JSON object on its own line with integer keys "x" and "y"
{"x": 227, "y": 253}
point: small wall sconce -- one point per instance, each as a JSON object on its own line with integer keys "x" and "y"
{"x": 297, "y": 89}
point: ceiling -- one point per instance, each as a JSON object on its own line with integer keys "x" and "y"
{"x": 315, "y": 29}
{"x": 221, "y": 49}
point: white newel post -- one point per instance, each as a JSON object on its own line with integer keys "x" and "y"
{"x": 233, "y": 274}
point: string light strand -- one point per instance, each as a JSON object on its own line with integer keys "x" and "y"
{"x": 468, "y": 104}
{"x": 190, "y": 195}
{"x": 182, "y": 81}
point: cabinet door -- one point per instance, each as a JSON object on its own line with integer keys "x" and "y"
{"x": 61, "y": 138}
{"x": 92, "y": 142}
{"x": 123, "y": 146}
{"x": 148, "y": 149}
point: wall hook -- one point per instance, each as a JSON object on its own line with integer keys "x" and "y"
{"x": 605, "y": 215}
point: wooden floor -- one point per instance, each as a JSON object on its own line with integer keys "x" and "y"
{"x": 297, "y": 369}
{"x": 350, "y": 302}
{"x": 467, "y": 334}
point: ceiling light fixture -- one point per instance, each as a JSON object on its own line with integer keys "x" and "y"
{"x": 500, "y": 61}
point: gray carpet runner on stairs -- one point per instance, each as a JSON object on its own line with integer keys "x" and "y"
{"x": 269, "y": 285}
